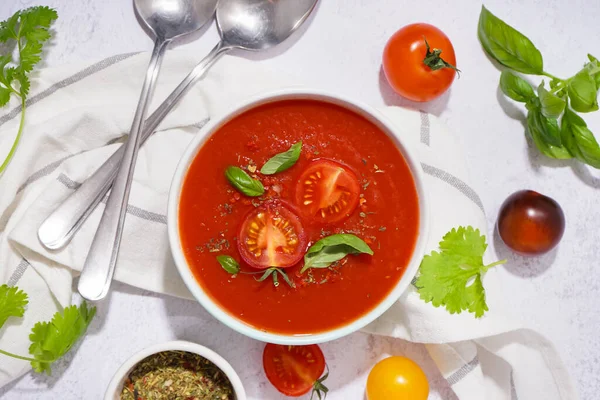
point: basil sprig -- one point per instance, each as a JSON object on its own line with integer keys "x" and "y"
{"x": 552, "y": 122}
{"x": 282, "y": 161}
{"x": 229, "y": 264}
{"x": 333, "y": 248}
{"x": 240, "y": 180}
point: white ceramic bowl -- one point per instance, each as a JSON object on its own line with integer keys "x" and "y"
{"x": 173, "y": 221}
{"x": 113, "y": 392}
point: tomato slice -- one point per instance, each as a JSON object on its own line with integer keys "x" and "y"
{"x": 272, "y": 236}
{"x": 327, "y": 191}
{"x": 293, "y": 370}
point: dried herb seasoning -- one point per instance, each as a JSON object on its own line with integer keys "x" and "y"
{"x": 176, "y": 375}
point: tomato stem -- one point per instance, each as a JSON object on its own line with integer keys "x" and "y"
{"x": 434, "y": 60}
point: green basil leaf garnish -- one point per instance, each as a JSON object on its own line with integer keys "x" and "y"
{"x": 583, "y": 92}
{"x": 543, "y": 130}
{"x": 552, "y": 105}
{"x": 333, "y": 248}
{"x": 282, "y": 161}
{"x": 507, "y": 45}
{"x": 516, "y": 87}
{"x": 579, "y": 140}
{"x": 240, "y": 180}
{"x": 229, "y": 264}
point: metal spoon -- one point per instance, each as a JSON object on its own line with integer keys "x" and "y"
{"x": 167, "y": 19}
{"x": 243, "y": 24}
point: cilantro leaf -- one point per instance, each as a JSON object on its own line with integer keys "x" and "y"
{"x": 51, "y": 340}
{"x": 28, "y": 30}
{"x": 452, "y": 277}
{"x": 12, "y": 303}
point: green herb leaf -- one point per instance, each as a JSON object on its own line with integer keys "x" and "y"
{"x": 545, "y": 135}
{"x": 552, "y": 105}
{"x": 579, "y": 140}
{"x": 282, "y": 161}
{"x": 12, "y": 303}
{"x": 516, "y": 87}
{"x": 51, "y": 340}
{"x": 452, "y": 277}
{"x": 240, "y": 180}
{"x": 229, "y": 264}
{"x": 507, "y": 45}
{"x": 29, "y": 29}
{"x": 583, "y": 91}
{"x": 333, "y": 248}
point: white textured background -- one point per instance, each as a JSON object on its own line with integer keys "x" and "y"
{"x": 340, "y": 49}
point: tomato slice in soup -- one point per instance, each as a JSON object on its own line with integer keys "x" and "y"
{"x": 272, "y": 235}
{"x": 327, "y": 191}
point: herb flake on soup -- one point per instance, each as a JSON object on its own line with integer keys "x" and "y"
{"x": 298, "y": 216}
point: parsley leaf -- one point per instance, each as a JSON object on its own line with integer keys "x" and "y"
{"x": 12, "y": 303}
{"x": 452, "y": 276}
{"x": 51, "y": 340}
{"x": 28, "y": 30}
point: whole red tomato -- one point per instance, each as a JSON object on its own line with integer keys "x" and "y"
{"x": 419, "y": 62}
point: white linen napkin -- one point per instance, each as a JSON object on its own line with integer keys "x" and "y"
{"x": 76, "y": 114}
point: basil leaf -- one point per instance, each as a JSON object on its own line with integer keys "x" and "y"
{"x": 579, "y": 139}
{"x": 593, "y": 69}
{"x": 507, "y": 45}
{"x": 282, "y": 161}
{"x": 582, "y": 91}
{"x": 516, "y": 87}
{"x": 229, "y": 264}
{"x": 333, "y": 248}
{"x": 552, "y": 105}
{"x": 540, "y": 128}
{"x": 240, "y": 180}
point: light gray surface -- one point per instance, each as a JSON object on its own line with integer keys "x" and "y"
{"x": 340, "y": 50}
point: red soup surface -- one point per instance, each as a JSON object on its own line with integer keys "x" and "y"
{"x": 384, "y": 213}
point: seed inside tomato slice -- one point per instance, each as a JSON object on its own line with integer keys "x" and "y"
{"x": 293, "y": 370}
{"x": 272, "y": 236}
{"x": 327, "y": 191}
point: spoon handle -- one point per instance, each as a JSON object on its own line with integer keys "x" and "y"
{"x": 60, "y": 226}
{"x": 101, "y": 260}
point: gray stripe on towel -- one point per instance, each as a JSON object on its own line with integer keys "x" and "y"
{"x": 454, "y": 181}
{"x": 513, "y": 389}
{"x": 463, "y": 371}
{"x": 425, "y": 128}
{"x": 99, "y": 66}
{"x": 133, "y": 210}
{"x": 18, "y": 272}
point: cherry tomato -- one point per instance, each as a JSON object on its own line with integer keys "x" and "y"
{"x": 404, "y": 62}
{"x": 397, "y": 378}
{"x": 294, "y": 370}
{"x": 531, "y": 223}
{"x": 327, "y": 191}
{"x": 272, "y": 236}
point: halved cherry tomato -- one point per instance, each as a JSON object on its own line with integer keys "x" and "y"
{"x": 272, "y": 236}
{"x": 294, "y": 370}
{"x": 411, "y": 70}
{"x": 327, "y": 191}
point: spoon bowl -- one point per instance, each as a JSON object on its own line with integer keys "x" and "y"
{"x": 169, "y": 19}
{"x": 260, "y": 24}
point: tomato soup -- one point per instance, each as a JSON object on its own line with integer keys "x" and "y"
{"x": 349, "y": 178}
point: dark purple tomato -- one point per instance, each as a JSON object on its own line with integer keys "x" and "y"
{"x": 530, "y": 223}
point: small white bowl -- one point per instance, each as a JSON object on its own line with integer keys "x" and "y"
{"x": 113, "y": 392}
{"x": 215, "y": 309}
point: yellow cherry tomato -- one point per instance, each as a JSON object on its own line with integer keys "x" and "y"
{"x": 397, "y": 378}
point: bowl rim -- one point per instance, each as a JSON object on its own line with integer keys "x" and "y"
{"x": 113, "y": 389}
{"x": 212, "y": 126}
